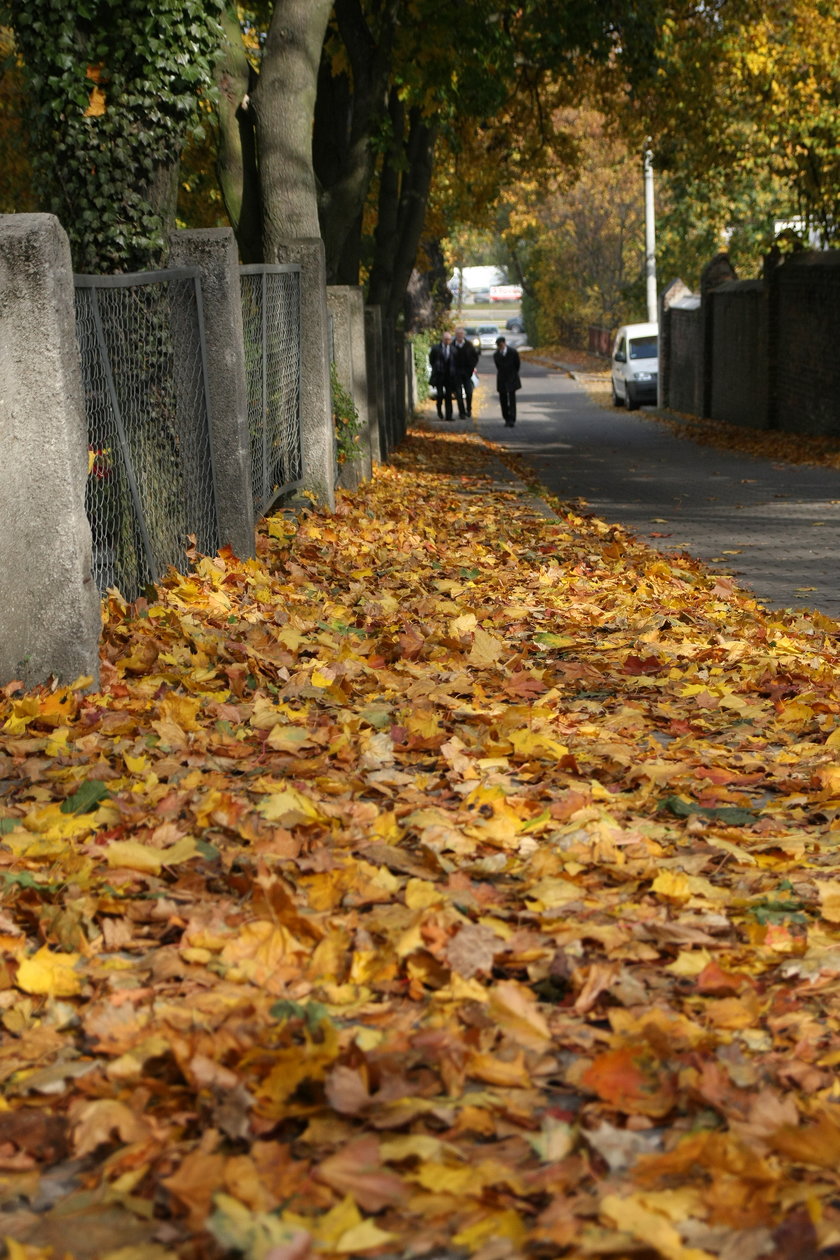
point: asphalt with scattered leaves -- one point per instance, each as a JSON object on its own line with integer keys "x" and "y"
{"x": 761, "y": 507}
{"x": 459, "y": 878}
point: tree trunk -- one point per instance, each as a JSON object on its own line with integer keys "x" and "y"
{"x": 236, "y": 165}
{"x": 350, "y": 109}
{"x": 284, "y": 105}
{"x": 403, "y": 194}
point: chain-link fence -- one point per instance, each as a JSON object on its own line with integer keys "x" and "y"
{"x": 271, "y": 321}
{"x": 150, "y": 485}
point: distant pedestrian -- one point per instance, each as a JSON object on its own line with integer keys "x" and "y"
{"x": 442, "y": 363}
{"x": 506, "y": 360}
{"x": 466, "y": 359}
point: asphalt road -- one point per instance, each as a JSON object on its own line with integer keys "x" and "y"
{"x": 774, "y": 527}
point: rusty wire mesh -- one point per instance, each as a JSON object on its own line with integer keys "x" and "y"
{"x": 271, "y": 320}
{"x": 150, "y": 484}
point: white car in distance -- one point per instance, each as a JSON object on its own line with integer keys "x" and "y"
{"x": 635, "y": 365}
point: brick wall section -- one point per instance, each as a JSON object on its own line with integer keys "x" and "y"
{"x": 805, "y": 363}
{"x": 738, "y": 377}
{"x": 685, "y": 361}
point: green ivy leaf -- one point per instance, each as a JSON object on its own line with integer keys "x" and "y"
{"x": 86, "y": 799}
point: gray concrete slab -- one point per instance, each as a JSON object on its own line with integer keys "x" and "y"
{"x": 775, "y": 527}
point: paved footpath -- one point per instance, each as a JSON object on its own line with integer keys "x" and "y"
{"x": 775, "y": 527}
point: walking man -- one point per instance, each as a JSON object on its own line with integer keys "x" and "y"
{"x": 442, "y": 363}
{"x": 466, "y": 358}
{"x": 506, "y": 360}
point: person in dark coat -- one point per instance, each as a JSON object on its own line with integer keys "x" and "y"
{"x": 506, "y": 360}
{"x": 466, "y": 358}
{"x": 443, "y": 377}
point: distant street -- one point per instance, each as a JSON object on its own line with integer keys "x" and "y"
{"x": 775, "y": 527}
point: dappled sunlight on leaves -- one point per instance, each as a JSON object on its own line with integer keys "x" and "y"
{"x": 448, "y": 879}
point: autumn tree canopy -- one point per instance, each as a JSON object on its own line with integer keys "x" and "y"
{"x": 379, "y": 123}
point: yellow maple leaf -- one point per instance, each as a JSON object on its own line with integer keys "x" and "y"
{"x": 491, "y": 1225}
{"x": 344, "y": 1230}
{"x": 288, "y": 738}
{"x": 50, "y": 973}
{"x": 135, "y": 856}
{"x": 289, "y": 807}
{"x": 459, "y": 626}
{"x": 486, "y": 649}
{"x": 514, "y": 1008}
{"x": 655, "y": 1231}
{"x": 536, "y": 744}
{"x": 829, "y": 891}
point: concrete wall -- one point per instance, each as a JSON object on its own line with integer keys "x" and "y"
{"x": 49, "y": 604}
{"x": 345, "y": 304}
{"x": 214, "y": 252}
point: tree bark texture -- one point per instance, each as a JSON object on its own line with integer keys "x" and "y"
{"x": 236, "y": 165}
{"x": 350, "y": 109}
{"x": 284, "y": 105}
{"x": 403, "y": 193}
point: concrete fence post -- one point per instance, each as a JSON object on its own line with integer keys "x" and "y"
{"x": 50, "y": 612}
{"x": 317, "y": 439}
{"x": 346, "y": 307}
{"x": 410, "y": 377}
{"x": 213, "y": 251}
{"x": 375, "y": 383}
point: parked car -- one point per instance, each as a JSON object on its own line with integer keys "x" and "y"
{"x": 515, "y": 324}
{"x": 635, "y": 365}
{"x": 487, "y": 334}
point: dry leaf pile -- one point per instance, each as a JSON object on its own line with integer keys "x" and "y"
{"x": 450, "y": 881}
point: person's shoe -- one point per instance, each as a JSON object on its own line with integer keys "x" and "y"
{"x": 508, "y": 424}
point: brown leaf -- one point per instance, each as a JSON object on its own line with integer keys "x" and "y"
{"x": 356, "y": 1169}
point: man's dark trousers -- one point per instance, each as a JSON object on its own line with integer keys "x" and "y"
{"x": 507, "y": 401}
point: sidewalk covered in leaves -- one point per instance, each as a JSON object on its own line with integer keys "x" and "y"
{"x": 452, "y": 880}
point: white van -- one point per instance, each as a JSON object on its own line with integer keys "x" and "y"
{"x": 635, "y": 365}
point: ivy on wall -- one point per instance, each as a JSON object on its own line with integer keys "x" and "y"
{"x": 345, "y": 420}
{"x": 112, "y": 94}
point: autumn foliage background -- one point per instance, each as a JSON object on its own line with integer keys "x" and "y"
{"x": 455, "y": 878}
